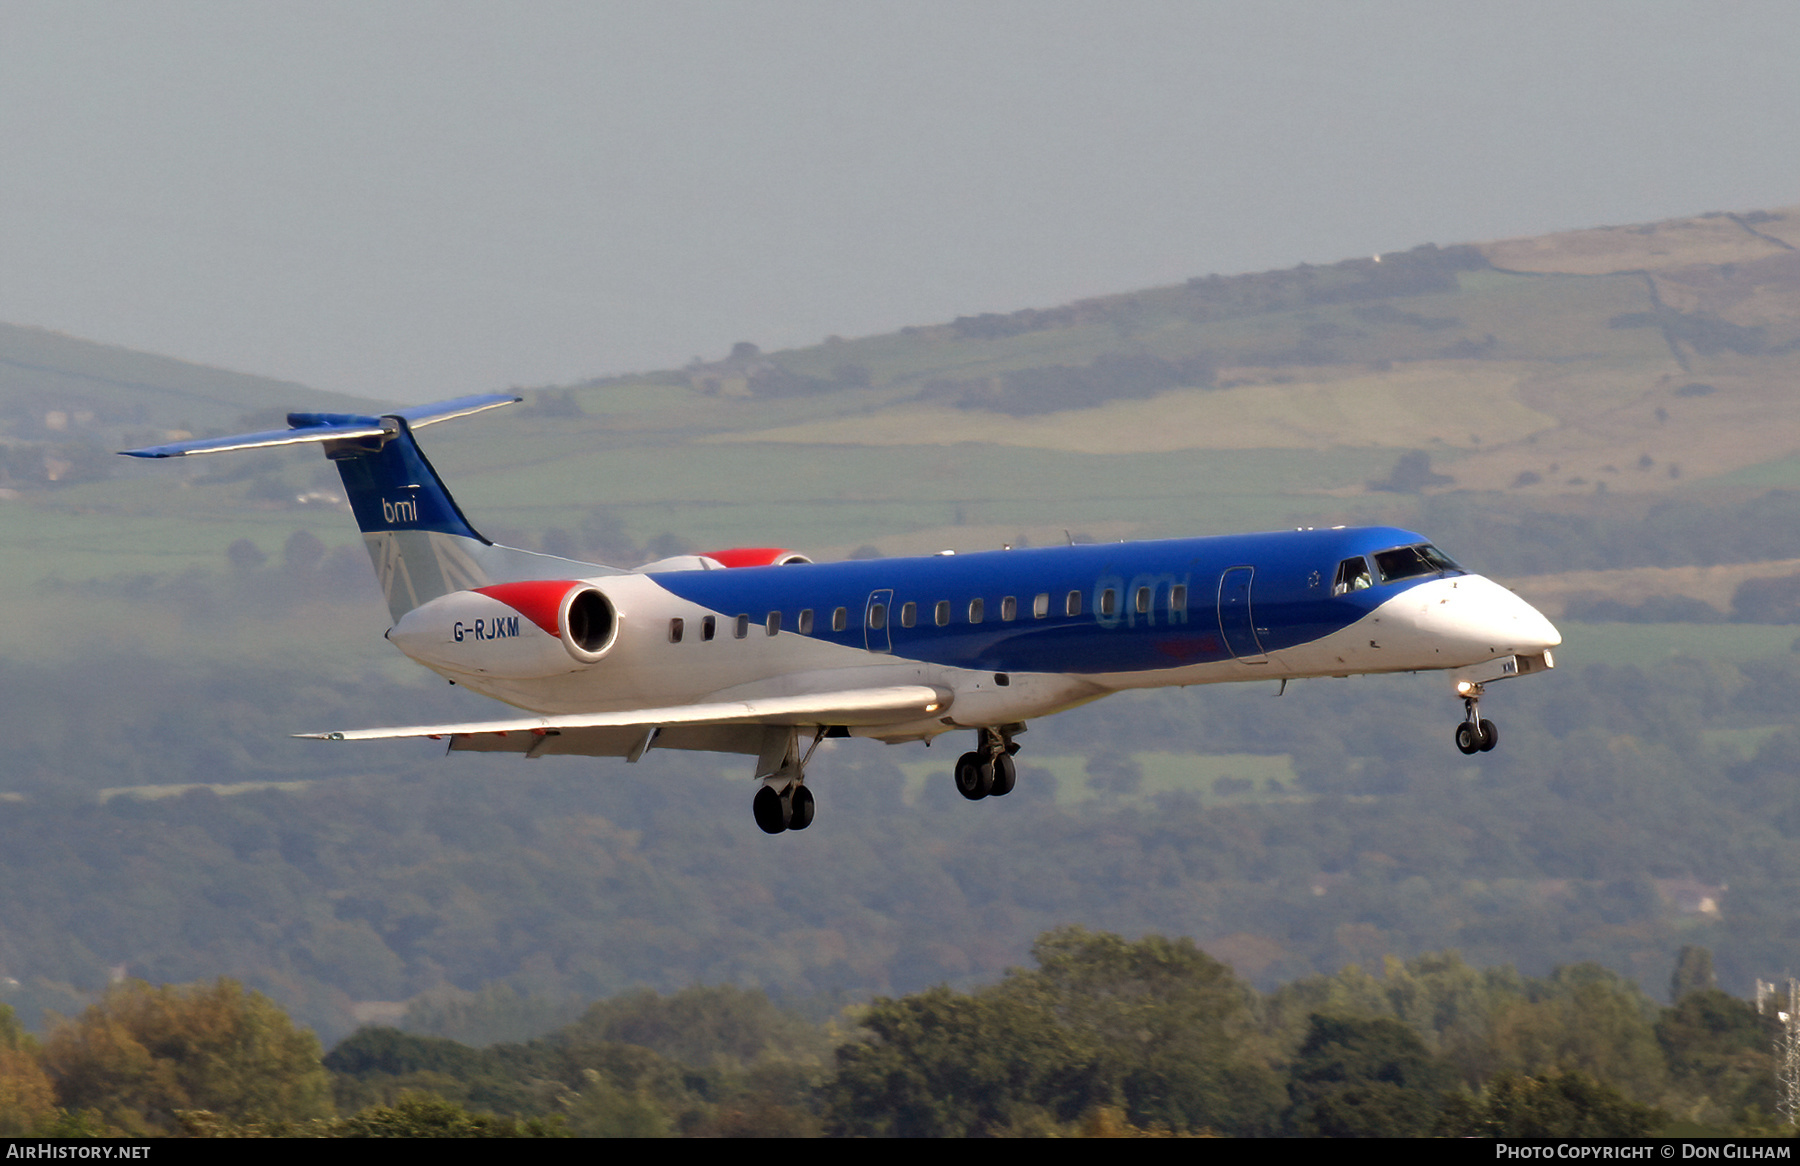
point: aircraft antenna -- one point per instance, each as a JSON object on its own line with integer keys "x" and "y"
{"x": 1787, "y": 1052}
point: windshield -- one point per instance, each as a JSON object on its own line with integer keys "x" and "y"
{"x": 1408, "y": 562}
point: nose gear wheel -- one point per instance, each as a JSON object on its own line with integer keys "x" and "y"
{"x": 1475, "y": 735}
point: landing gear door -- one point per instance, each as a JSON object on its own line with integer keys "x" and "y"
{"x": 876, "y": 637}
{"x": 1235, "y": 626}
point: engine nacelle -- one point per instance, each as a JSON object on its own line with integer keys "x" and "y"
{"x": 757, "y": 557}
{"x": 517, "y": 631}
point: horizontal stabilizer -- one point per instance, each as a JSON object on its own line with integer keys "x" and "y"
{"x": 422, "y": 415}
{"x": 859, "y": 706}
{"x": 315, "y": 427}
{"x": 363, "y": 427}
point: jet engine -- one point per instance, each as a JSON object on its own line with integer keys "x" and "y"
{"x": 516, "y": 631}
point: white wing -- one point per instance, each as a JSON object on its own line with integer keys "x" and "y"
{"x": 856, "y": 706}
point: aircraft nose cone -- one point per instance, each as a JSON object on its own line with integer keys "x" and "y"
{"x": 1488, "y": 614}
{"x": 1469, "y": 618}
{"x": 1545, "y": 633}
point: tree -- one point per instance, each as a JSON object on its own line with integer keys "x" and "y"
{"x": 1588, "y": 1018}
{"x": 1693, "y": 972}
{"x": 420, "y": 1115}
{"x": 1720, "y": 1053}
{"x": 704, "y": 1027}
{"x": 1156, "y": 1028}
{"x": 145, "y": 1052}
{"x": 1556, "y": 1105}
{"x": 1365, "y": 1078}
{"x": 941, "y": 1064}
{"x": 1165, "y": 1028}
{"x": 1412, "y": 474}
{"x": 27, "y": 1101}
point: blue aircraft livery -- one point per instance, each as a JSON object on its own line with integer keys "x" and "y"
{"x": 759, "y": 651}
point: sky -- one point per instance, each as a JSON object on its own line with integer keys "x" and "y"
{"x": 411, "y": 201}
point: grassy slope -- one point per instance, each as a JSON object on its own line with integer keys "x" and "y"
{"x": 1291, "y": 438}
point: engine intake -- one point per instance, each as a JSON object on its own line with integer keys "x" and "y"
{"x": 589, "y": 624}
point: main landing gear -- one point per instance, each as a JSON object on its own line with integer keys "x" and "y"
{"x": 791, "y": 809}
{"x": 784, "y": 802}
{"x": 1475, "y": 735}
{"x": 988, "y": 770}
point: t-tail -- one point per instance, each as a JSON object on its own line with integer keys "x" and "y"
{"x": 421, "y": 544}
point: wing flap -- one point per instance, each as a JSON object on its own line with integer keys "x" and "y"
{"x": 859, "y": 706}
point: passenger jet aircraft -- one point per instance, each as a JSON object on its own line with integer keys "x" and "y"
{"x": 763, "y": 652}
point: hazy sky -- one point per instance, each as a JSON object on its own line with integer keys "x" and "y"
{"x": 414, "y": 200}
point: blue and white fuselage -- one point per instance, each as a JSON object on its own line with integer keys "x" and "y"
{"x": 1012, "y": 635}
{"x": 703, "y": 653}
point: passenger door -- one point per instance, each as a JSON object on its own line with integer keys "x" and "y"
{"x": 877, "y": 614}
{"x": 1235, "y": 622}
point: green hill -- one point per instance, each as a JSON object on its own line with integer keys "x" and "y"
{"x": 1601, "y": 417}
{"x": 1639, "y": 361}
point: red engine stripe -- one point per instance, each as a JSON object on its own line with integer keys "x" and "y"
{"x": 539, "y": 600}
{"x": 747, "y": 556}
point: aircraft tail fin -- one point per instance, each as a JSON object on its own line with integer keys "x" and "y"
{"x": 421, "y": 544}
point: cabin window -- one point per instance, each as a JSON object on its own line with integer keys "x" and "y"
{"x": 942, "y": 613}
{"x": 1009, "y": 609}
{"x": 909, "y": 614}
{"x": 743, "y": 627}
{"x": 840, "y": 619}
{"x": 675, "y": 626}
{"x": 1109, "y": 602}
{"x": 1352, "y": 575}
{"x": 772, "y": 625}
{"x": 975, "y": 611}
{"x": 1040, "y": 607}
{"x": 1072, "y": 604}
{"x": 1178, "y": 597}
{"x": 877, "y": 616}
{"x": 803, "y": 625}
{"x": 1143, "y": 600}
{"x": 708, "y": 625}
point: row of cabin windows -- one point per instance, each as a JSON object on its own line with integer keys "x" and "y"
{"x": 940, "y": 613}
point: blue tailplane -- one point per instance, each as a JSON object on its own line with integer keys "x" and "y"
{"x": 420, "y": 542}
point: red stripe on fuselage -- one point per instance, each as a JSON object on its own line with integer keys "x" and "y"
{"x": 539, "y": 600}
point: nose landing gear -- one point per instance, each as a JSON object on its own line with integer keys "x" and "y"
{"x": 988, "y": 770}
{"x": 1475, "y": 735}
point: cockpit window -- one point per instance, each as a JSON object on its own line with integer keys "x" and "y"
{"x": 1352, "y": 575}
{"x": 1408, "y": 562}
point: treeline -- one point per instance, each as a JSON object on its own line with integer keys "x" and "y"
{"x": 1771, "y": 600}
{"x": 1049, "y": 389}
{"x": 1630, "y": 811}
{"x": 1423, "y": 270}
{"x": 1104, "y": 1036}
{"x": 1679, "y": 532}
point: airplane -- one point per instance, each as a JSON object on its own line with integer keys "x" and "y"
{"x": 760, "y": 651}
